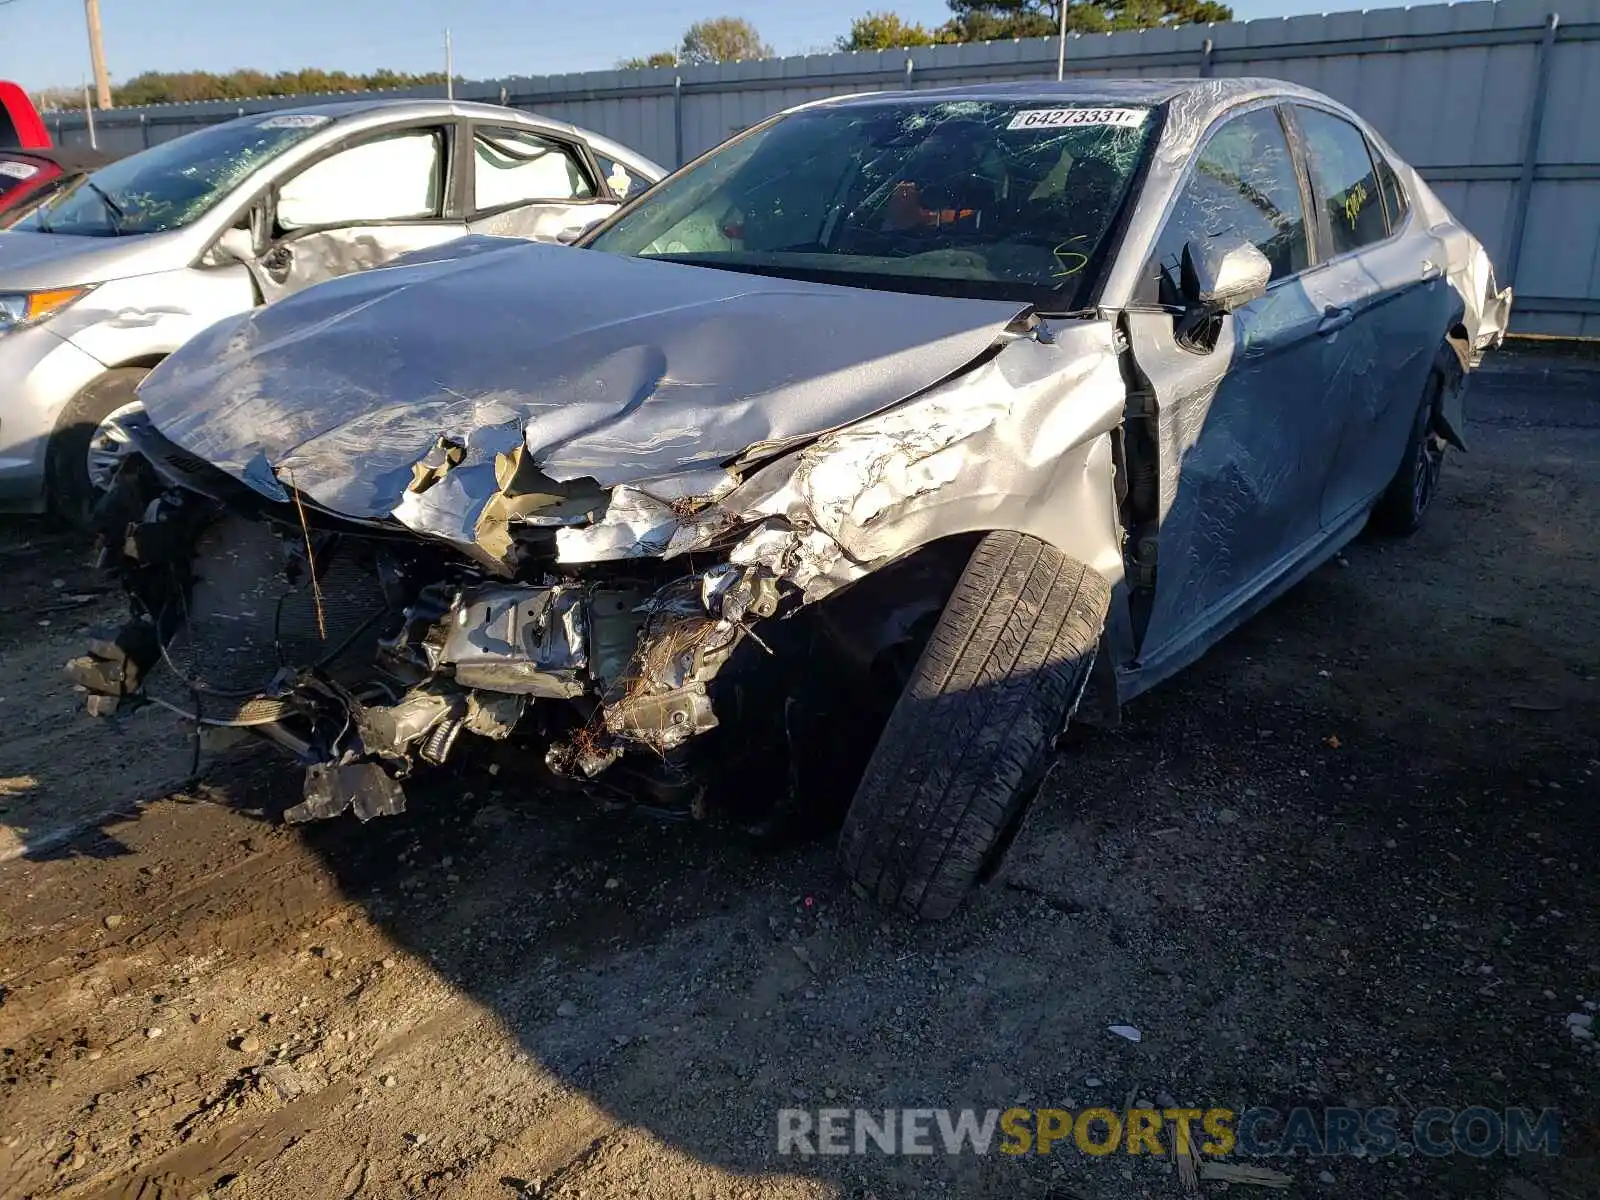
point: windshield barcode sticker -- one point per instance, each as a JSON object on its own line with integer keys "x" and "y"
{"x": 296, "y": 121}
{"x": 18, "y": 170}
{"x": 1058, "y": 118}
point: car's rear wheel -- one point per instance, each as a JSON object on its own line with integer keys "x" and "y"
{"x": 1410, "y": 493}
{"x": 968, "y": 741}
{"x": 89, "y": 443}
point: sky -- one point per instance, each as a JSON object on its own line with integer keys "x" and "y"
{"x": 43, "y": 42}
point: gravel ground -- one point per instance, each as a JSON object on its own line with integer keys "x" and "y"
{"x": 1349, "y": 858}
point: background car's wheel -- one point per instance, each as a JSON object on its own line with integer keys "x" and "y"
{"x": 968, "y": 741}
{"x": 1405, "y": 501}
{"x": 89, "y": 443}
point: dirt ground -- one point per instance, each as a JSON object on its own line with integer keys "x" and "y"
{"x": 1349, "y": 858}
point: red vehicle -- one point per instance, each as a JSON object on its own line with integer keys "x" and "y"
{"x": 30, "y": 177}
{"x": 20, "y": 123}
{"x": 30, "y": 170}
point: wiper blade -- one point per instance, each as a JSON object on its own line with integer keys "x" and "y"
{"x": 112, "y": 207}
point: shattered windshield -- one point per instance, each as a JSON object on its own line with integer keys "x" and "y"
{"x": 1000, "y": 199}
{"x": 170, "y": 185}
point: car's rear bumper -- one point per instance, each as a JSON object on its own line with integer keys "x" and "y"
{"x": 39, "y": 375}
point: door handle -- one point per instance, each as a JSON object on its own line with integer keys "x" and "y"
{"x": 1430, "y": 270}
{"x": 1333, "y": 320}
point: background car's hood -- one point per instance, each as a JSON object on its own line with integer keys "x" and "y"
{"x": 45, "y": 260}
{"x": 614, "y": 369}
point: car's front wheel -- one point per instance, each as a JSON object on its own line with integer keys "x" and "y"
{"x": 89, "y": 443}
{"x": 966, "y": 746}
{"x": 1410, "y": 493}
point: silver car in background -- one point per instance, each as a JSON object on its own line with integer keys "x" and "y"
{"x": 106, "y": 280}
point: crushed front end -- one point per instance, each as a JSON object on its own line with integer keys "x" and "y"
{"x": 684, "y": 554}
{"x": 370, "y": 652}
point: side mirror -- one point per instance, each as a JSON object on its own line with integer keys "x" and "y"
{"x": 573, "y": 232}
{"x": 237, "y": 244}
{"x": 1220, "y": 276}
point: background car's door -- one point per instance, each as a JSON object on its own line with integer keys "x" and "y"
{"x": 383, "y": 195}
{"x": 1393, "y": 305}
{"x": 1238, "y": 422}
{"x": 532, "y": 185}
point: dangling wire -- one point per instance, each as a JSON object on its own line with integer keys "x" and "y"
{"x": 311, "y": 560}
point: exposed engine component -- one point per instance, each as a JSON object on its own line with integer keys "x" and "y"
{"x": 318, "y": 636}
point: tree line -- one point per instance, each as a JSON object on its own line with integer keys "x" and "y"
{"x": 734, "y": 39}
{"x": 716, "y": 39}
{"x": 171, "y": 87}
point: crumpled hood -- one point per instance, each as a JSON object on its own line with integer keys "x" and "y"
{"x": 615, "y": 369}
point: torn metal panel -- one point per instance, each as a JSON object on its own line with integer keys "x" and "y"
{"x": 520, "y": 640}
{"x": 608, "y": 368}
{"x": 643, "y": 520}
{"x": 364, "y": 788}
{"x": 975, "y": 453}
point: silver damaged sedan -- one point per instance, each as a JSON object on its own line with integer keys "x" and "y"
{"x": 831, "y": 478}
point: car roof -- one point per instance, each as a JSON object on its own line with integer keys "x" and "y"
{"x": 402, "y": 107}
{"x": 1198, "y": 95}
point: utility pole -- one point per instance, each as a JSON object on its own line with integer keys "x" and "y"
{"x": 449, "y": 69}
{"x": 1061, "y": 50}
{"x": 88, "y": 119}
{"x": 97, "y": 54}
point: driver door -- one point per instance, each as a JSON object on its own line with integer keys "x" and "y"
{"x": 1236, "y": 420}
{"x": 370, "y": 201}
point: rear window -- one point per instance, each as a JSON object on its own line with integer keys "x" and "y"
{"x": 1394, "y": 194}
{"x": 1345, "y": 180}
{"x": 17, "y": 171}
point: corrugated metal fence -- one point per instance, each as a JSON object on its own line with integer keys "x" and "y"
{"x": 1498, "y": 104}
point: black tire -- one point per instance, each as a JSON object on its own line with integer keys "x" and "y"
{"x": 71, "y": 493}
{"x": 967, "y": 744}
{"x": 1410, "y": 493}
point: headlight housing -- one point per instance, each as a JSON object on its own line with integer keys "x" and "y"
{"x": 18, "y": 309}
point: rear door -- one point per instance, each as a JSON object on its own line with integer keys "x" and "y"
{"x": 531, "y": 184}
{"x": 1236, "y": 420}
{"x": 1385, "y": 306}
{"x": 374, "y": 198}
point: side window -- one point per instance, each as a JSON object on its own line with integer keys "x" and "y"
{"x": 1343, "y": 178}
{"x": 619, "y": 179}
{"x": 513, "y": 166}
{"x": 395, "y": 177}
{"x": 1243, "y": 183}
{"x": 1394, "y": 193}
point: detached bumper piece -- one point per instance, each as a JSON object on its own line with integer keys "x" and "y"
{"x": 369, "y": 656}
{"x": 364, "y": 788}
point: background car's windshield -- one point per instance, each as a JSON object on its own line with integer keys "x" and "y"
{"x": 987, "y": 198}
{"x": 170, "y": 185}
